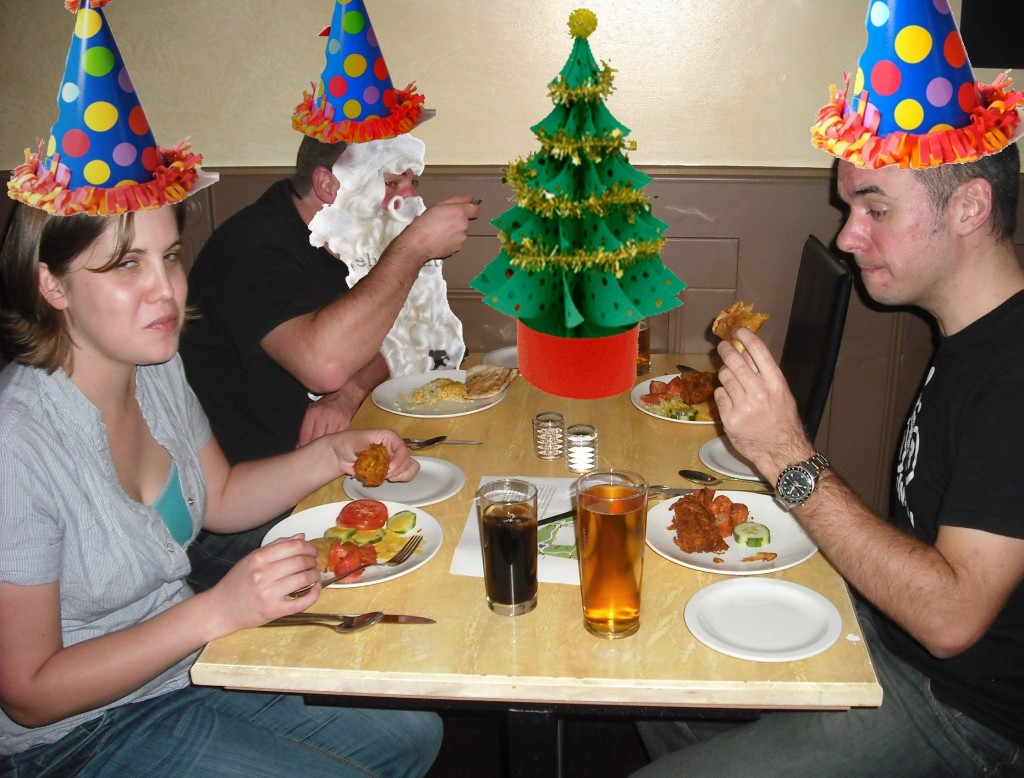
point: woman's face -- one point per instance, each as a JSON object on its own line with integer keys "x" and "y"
{"x": 131, "y": 314}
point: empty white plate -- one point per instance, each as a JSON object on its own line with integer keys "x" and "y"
{"x": 503, "y": 357}
{"x": 720, "y": 456}
{"x": 763, "y": 619}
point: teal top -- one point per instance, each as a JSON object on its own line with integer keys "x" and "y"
{"x": 172, "y": 508}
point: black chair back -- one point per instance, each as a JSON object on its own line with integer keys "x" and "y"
{"x": 816, "y": 323}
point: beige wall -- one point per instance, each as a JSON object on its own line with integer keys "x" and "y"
{"x": 700, "y": 82}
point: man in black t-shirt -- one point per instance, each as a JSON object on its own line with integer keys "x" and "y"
{"x": 282, "y": 351}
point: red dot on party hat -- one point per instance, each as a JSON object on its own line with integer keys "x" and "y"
{"x": 150, "y": 158}
{"x": 885, "y": 77}
{"x": 75, "y": 143}
{"x": 953, "y": 50}
{"x": 380, "y": 68}
{"x": 137, "y": 121}
{"x": 337, "y": 86}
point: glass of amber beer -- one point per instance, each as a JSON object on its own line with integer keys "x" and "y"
{"x": 611, "y": 529}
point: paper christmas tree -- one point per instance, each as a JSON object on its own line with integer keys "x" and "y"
{"x": 580, "y": 258}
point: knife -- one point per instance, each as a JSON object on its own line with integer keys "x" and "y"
{"x": 463, "y": 442}
{"x": 313, "y": 618}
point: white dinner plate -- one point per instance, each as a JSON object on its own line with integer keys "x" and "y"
{"x": 503, "y": 357}
{"x": 788, "y": 540}
{"x": 437, "y": 480}
{"x": 644, "y": 387}
{"x": 721, "y": 457}
{"x": 315, "y": 521}
{"x": 393, "y": 396}
{"x": 763, "y": 619}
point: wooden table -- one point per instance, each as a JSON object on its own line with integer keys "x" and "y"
{"x": 544, "y": 662}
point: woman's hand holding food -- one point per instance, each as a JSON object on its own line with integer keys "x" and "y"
{"x": 757, "y": 408}
{"x": 349, "y": 445}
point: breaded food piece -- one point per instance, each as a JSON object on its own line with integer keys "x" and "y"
{"x": 372, "y": 464}
{"x": 694, "y": 524}
{"x": 437, "y": 391}
{"x": 323, "y": 552}
{"x": 737, "y": 315}
{"x": 696, "y": 388}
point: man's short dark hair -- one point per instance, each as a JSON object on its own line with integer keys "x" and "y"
{"x": 313, "y": 154}
{"x": 1001, "y": 170}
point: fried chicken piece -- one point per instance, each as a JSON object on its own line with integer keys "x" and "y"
{"x": 696, "y": 387}
{"x": 737, "y": 315}
{"x": 694, "y": 524}
{"x": 372, "y": 464}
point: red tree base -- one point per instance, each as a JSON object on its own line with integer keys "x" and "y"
{"x": 580, "y": 368}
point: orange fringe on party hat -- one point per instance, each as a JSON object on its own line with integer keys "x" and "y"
{"x": 34, "y": 185}
{"x": 995, "y": 123}
{"x": 316, "y": 119}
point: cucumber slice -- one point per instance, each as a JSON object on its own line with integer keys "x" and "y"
{"x": 339, "y": 533}
{"x": 402, "y": 522}
{"x": 367, "y": 536}
{"x": 751, "y": 534}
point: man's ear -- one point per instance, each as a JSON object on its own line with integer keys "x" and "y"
{"x": 972, "y": 205}
{"x": 325, "y": 185}
{"x": 51, "y": 288}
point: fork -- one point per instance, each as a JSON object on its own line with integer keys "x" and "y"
{"x": 403, "y": 554}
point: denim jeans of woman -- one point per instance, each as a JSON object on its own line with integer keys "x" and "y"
{"x": 212, "y": 732}
{"x": 911, "y": 734}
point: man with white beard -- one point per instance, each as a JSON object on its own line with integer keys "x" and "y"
{"x": 357, "y": 229}
{"x": 278, "y": 326}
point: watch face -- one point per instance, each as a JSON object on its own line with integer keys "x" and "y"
{"x": 796, "y": 484}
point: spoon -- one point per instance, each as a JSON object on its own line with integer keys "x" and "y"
{"x": 345, "y": 624}
{"x": 707, "y": 479}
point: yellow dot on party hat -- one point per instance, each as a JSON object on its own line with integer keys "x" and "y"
{"x": 97, "y": 172}
{"x": 352, "y": 109}
{"x": 355, "y": 65}
{"x": 913, "y": 43}
{"x": 909, "y": 114}
{"x": 88, "y": 23}
{"x": 100, "y": 116}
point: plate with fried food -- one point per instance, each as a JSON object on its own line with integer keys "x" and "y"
{"x": 444, "y": 393}
{"x": 727, "y": 532}
{"x": 687, "y": 398}
{"x": 437, "y": 480}
{"x": 354, "y": 530}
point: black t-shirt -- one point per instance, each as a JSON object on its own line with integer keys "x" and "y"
{"x": 962, "y": 464}
{"x": 255, "y": 272}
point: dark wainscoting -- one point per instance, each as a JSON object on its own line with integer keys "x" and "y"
{"x": 733, "y": 234}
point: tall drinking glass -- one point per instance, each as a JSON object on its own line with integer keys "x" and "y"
{"x": 508, "y": 539}
{"x": 611, "y": 528}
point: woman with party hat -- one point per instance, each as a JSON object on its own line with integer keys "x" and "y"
{"x": 930, "y": 174}
{"x": 108, "y": 470}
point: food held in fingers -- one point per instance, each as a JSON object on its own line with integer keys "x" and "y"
{"x": 737, "y": 315}
{"x": 372, "y": 465}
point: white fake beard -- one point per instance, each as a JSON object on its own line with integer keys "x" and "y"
{"x": 426, "y": 334}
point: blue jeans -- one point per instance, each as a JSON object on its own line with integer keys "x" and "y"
{"x": 911, "y": 734}
{"x": 200, "y": 731}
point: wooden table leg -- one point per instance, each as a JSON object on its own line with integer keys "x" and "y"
{"x": 534, "y": 744}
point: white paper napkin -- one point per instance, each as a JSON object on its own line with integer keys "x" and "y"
{"x": 554, "y": 495}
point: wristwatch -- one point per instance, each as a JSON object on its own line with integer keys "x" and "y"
{"x": 797, "y": 482}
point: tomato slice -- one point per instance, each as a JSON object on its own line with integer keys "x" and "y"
{"x": 363, "y": 514}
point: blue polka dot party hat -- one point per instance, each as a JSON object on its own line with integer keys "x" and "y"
{"x": 355, "y": 100}
{"x": 915, "y": 101}
{"x": 101, "y": 158}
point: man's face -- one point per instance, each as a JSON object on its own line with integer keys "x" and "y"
{"x": 904, "y": 249}
{"x": 399, "y": 185}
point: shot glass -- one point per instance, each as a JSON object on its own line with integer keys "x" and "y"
{"x": 611, "y": 527}
{"x": 581, "y": 448}
{"x": 643, "y": 350}
{"x": 548, "y": 429}
{"x": 507, "y": 511}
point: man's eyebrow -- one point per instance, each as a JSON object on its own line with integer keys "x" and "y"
{"x": 868, "y": 190}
